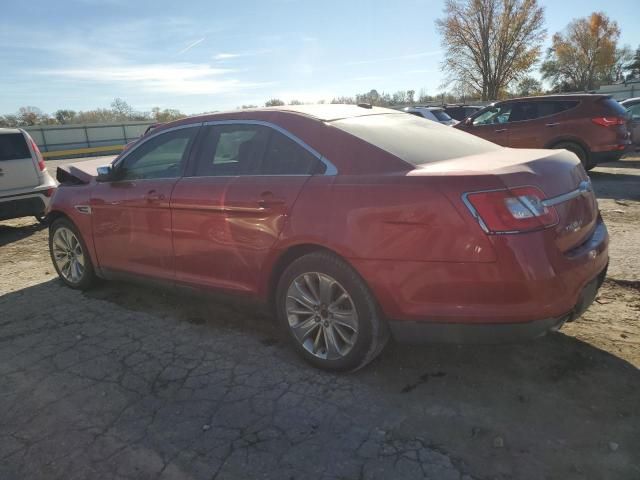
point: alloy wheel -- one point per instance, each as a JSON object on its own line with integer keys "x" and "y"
{"x": 68, "y": 255}
{"x": 321, "y": 315}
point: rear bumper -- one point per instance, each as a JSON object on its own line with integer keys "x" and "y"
{"x": 412, "y": 332}
{"x": 531, "y": 281}
{"x": 603, "y": 157}
{"x": 23, "y": 205}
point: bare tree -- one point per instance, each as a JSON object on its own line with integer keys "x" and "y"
{"x": 490, "y": 43}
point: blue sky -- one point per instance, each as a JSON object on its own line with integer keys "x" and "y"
{"x": 207, "y": 55}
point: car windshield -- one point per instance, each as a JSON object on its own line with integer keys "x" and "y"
{"x": 441, "y": 115}
{"x": 414, "y": 140}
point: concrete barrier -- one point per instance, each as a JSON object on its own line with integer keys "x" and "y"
{"x": 68, "y": 141}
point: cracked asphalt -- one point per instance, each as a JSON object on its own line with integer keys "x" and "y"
{"x": 131, "y": 382}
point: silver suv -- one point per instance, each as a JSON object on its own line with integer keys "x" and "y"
{"x": 25, "y": 184}
{"x": 435, "y": 114}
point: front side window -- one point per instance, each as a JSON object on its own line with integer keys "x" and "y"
{"x": 160, "y": 157}
{"x": 497, "y": 114}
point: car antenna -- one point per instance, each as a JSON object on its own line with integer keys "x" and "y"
{"x": 365, "y": 105}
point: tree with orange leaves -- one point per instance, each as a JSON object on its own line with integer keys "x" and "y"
{"x": 584, "y": 54}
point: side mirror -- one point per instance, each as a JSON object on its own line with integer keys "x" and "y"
{"x": 105, "y": 173}
{"x": 468, "y": 122}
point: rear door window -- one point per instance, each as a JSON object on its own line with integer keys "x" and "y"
{"x": 232, "y": 150}
{"x": 13, "y": 146}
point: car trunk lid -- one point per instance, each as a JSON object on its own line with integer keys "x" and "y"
{"x": 557, "y": 173}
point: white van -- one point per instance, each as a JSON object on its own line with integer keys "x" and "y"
{"x": 25, "y": 184}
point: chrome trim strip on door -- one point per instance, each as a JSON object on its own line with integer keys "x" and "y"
{"x": 331, "y": 168}
{"x": 583, "y": 188}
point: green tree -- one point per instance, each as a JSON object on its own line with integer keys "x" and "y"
{"x": 490, "y": 43}
{"x": 527, "y": 87}
{"x": 166, "y": 115}
{"x": 65, "y": 116}
{"x": 274, "y": 102}
{"x": 584, "y": 55}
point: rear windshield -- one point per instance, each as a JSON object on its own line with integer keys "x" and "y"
{"x": 414, "y": 140}
{"x": 615, "y": 108}
{"x": 13, "y": 146}
{"x": 441, "y": 115}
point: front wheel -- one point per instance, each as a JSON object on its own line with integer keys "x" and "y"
{"x": 69, "y": 255}
{"x": 329, "y": 314}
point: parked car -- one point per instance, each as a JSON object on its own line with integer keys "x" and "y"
{"x": 460, "y": 112}
{"x": 594, "y": 127}
{"x": 435, "y": 114}
{"x": 351, "y": 222}
{"x": 632, "y": 106}
{"x": 25, "y": 184}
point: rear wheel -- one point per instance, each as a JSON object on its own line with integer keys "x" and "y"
{"x": 329, "y": 313}
{"x": 69, "y": 255}
{"x": 579, "y": 152}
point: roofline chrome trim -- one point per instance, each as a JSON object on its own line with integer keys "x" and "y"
{"x": 331, "y": 168}
{"x": 152, "y": 135}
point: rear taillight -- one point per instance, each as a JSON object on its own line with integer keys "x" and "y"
{"x": 609, "y": 121}
{"x": 511, "y": 211}
{"x": 36, "y": 150}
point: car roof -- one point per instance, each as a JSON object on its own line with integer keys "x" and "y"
{"x": 323, "y": 112}
{"x": 566, "y": 96}
{"x": 630, "y": 100}
{"x": 9, "y": 130}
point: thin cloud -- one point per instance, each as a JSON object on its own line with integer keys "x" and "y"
{"x": 408, "y": 56}
{"x": 173, "y": 78}
{"x": 191, "y": 45}
{"x": 250, "y": 53}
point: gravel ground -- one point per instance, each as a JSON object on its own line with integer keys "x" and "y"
{"x": 131, "y": 382}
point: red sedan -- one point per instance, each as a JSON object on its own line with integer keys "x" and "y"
{"x": 353, "y": 222}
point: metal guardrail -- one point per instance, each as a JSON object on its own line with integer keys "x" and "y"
{"x": 55, "y": 141}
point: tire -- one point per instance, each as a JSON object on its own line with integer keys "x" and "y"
{"x": 65, "y": 238}
{"x": 579, "y": 152}
{"x": 312, "y": 315}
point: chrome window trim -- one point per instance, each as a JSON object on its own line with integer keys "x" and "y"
{"x": 331, "y": 169}
{"x": 151, "y": 136}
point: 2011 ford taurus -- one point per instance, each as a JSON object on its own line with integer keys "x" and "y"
{"x": 353, "y": 222}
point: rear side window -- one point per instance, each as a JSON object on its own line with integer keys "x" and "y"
{"x": 286, "y": 157}
{"x": 441, "y": 115}
{"x": 13, "y": 146}
{"x": 414, "y": 140}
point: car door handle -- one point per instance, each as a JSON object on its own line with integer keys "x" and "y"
{"x": 551, "y": 124}
{"x": 501, "y": 130}
{"x": 153, "y": 196}
{"x": 270, "y": 202}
